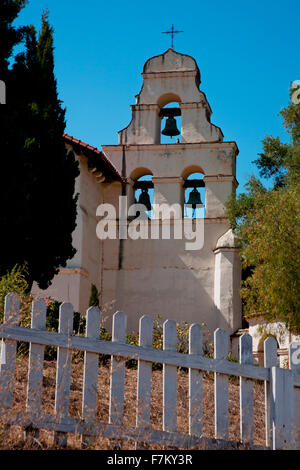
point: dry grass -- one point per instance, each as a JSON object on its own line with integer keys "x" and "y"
{"x": 45, "y": 440}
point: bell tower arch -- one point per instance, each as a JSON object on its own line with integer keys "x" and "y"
{"x": 170, "y": 77}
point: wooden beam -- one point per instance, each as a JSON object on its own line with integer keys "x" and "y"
{"x": 143, "y": 185}
{"x": 167, "y": 112}
{"x": 194, "y": 184}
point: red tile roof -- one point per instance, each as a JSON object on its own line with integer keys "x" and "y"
{"x": 103, "y": 161}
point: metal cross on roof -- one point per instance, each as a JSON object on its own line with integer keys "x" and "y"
{"x": 172, "y": 32}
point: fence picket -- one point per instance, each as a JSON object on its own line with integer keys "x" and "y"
{"x": 144, "y": 377}
{"x": 221, "y": 386}
{"x": 169, "y": 379}
{"x": 8, "y": 356}
{"x": 294, "y": 362}
{"x": 195, "y": 384}
{"x": 246, "y": 392}
{"x": 35, "y": 367}
{"x": 90, "y": 374}
{"x": 270, "y": 360}
{"x": 283, "y": 399}
{"x": 63, "y": 371}
{"x": 117, "y": 371}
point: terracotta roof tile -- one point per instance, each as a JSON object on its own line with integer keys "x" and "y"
{"x": 110, "y": 167}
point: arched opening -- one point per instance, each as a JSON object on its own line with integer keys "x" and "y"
{"x": 170, "y": 128}
{"x": 139, "y": 172}
{"x": 168, "y": 98}
{"x": 194, "y": 196}
{"x": 144, "y": 192}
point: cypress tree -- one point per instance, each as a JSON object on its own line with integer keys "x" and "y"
{"x": 10, "y": 36}
{"x": 38, "y": 203}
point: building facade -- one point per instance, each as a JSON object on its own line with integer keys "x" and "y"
{"x": 159, "y": 276}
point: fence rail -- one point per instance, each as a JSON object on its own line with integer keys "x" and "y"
{"x": 280, "y": 384}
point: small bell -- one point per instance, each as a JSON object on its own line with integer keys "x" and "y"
{"x": 194, "y": 198}
{"x": 170, "y": 127}
{"x": 145, "y": 199}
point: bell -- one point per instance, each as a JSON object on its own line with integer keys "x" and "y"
{"x": 171, "y": 127}
{"x": 194, "y": 198}
{"x": 145, "y": 199}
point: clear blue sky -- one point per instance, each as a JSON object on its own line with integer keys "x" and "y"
{"x": 247, "y": 52}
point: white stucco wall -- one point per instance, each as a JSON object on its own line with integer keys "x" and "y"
{"x": 73, "y": 283}
{"x": 160, "y": 277}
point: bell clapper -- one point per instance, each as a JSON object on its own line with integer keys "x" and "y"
{"x": 145, "y": 199}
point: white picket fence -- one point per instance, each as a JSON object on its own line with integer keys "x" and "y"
{"x": 280, "y": 384}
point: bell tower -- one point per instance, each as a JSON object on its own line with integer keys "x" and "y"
{"x": 170, "y": 77}
{"x": 159, "y": 276}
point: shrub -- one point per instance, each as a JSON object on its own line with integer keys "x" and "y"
{"x": 182, "y": 340}
{"x": 94, "y": 297}
{"x": 104, "y": 359}
{"x": 15, "y": 281}
{"x": 52, "y": 319}
{"x": 133, "y": 338}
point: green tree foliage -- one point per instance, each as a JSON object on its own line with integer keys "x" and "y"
{"x": 38, "y": 209}
{"x": 267, "y": 221}
{"x": 9, "y": 35}
{"x": 15, "y": 281}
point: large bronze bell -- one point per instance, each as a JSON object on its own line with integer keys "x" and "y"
{"x": 194, "y": 198}
{"x": 145, "y": 199}
{"x": 170, "y": 127}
